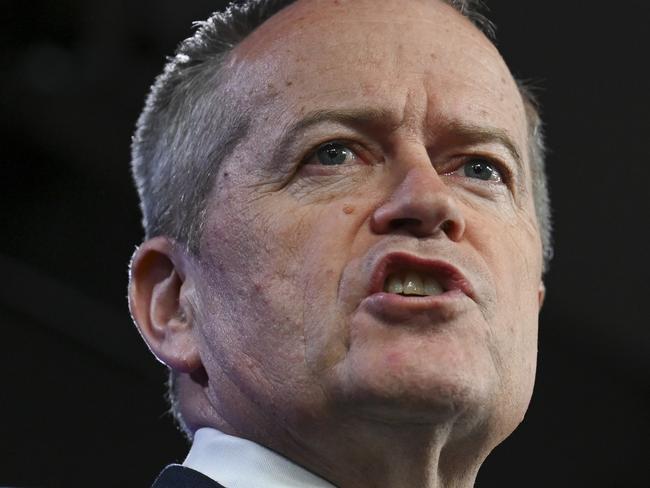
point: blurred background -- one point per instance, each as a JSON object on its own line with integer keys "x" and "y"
{"x": 82, "y": 401}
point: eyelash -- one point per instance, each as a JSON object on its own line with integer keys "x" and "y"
{"x": 353, "y": 147}
{"x": 503, "y": 169}
{"x": 505, "y": 172}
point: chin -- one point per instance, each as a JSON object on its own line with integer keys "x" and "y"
{"x": 429, "y": 395}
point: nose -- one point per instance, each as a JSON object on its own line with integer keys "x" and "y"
{"x": 422, "y": 205}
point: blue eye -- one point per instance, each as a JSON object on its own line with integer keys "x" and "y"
{"x": 334, "y": 153}
{"x": 481, "y": 169}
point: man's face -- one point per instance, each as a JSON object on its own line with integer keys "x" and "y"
{"x": 403, "y": 167}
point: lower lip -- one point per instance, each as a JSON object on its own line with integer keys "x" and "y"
{"x": 395, "y": 307}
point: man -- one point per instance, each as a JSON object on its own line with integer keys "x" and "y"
{"x": 347, "y": 224}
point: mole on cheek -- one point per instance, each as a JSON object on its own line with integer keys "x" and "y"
{"x": 348, "y": 209}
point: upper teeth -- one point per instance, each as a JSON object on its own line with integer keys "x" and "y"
{"x": 412, "y": 283}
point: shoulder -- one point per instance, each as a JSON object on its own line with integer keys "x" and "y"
{"x": 177, "y": 476}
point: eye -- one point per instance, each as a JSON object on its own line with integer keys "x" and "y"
{"x": 332, "y": 153}
{"x": 482, "y": 169}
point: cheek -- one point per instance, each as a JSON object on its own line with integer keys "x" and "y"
{"x": 515, "y": 262}
{"x": 252, "y": 294}
{"x": 513, "y": 258}
{"x": 327, "y": 246}
{"x": 275, "y": 266}
{"x": 325, "y": 239}
{"x": 510, "y": 245}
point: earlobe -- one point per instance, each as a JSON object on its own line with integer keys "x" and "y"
{"x": 541, "y": 294}
{"x": 160, "y": 306}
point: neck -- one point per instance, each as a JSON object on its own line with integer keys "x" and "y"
{"x": 396, "y": 455}
{"x": 359, "y": 452}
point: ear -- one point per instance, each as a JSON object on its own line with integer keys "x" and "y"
{"x": 541, "y": 294}
{"x": 160, "y": 303}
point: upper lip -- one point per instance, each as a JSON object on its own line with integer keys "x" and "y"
{"x": 449, "y": 277}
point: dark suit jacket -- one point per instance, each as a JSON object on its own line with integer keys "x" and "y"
{"x": 177, "y": 476}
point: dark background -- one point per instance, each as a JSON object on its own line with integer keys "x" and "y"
{"x": 82, "y": 399}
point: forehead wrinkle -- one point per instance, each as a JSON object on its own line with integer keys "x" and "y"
{"x": 414, "y": 113}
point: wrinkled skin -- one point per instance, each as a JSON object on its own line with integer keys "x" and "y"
{"x": 290, "y": 354}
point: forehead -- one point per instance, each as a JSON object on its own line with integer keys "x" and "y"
{"x": 418, "y": 59}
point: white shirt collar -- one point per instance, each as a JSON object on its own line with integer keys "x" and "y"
{"x": 240, "y": 463}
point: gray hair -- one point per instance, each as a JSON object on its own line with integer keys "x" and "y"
{"x": 189, "y": 126}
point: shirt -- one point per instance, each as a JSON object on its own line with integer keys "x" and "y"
{"x": 240, "y": 463}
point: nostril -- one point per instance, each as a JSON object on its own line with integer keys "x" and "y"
{"x": 418, "y": 227}
{"x": 397, "y": 224}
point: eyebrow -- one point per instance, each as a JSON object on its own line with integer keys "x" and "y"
{"x": 479, "y": 134}
{"x": 363, "y": 118}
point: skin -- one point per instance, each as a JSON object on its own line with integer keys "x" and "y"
{"x": 268, "y": 328}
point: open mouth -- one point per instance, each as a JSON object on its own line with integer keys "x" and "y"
{"x": 411, "y": 276}
{"x": 413, "y": 283}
